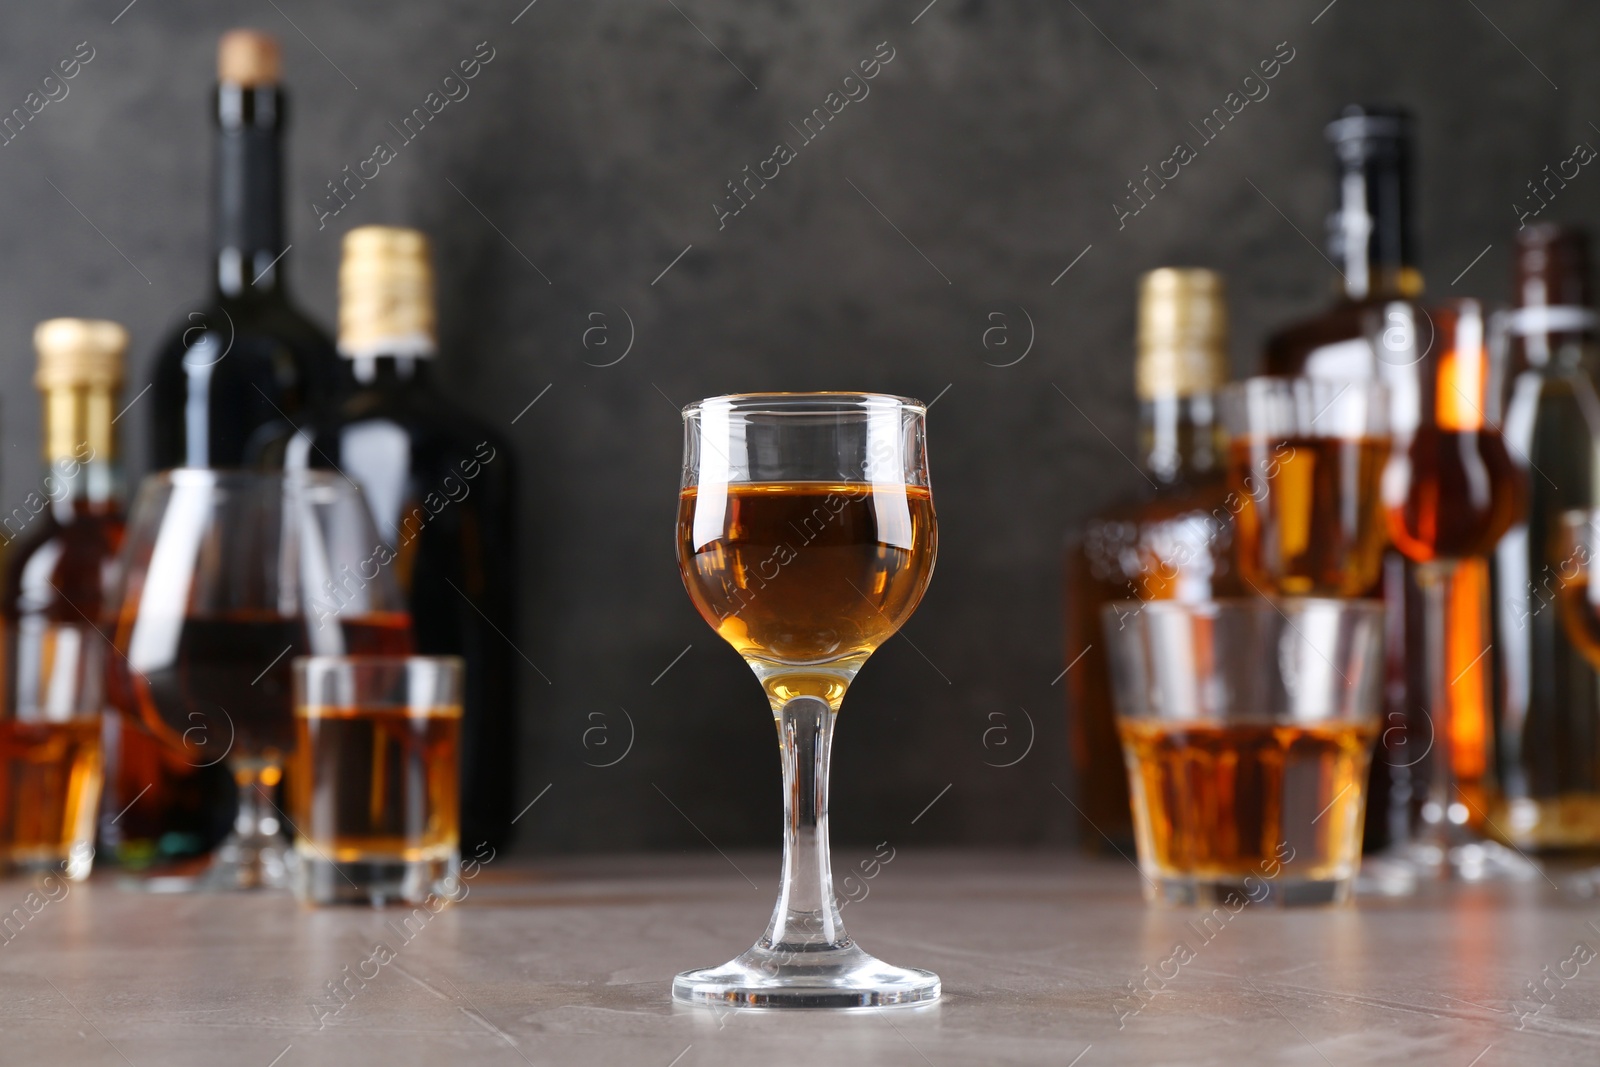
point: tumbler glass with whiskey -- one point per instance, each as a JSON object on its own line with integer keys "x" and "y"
{"x": 375, "y": 784}
{"x": 806, "y": 537}
{"x": 1305, "y": 460}
{"x": 1247, "y": 726}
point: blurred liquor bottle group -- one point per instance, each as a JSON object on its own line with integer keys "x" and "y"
{"x": 246, "y": 380}
{"x": 1523, "y": 716}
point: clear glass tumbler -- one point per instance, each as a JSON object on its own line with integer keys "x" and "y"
{"x": 375, "y": 784}
{"x": 1247, "y": 726}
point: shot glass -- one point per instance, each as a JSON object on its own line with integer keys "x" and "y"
{"x": 1247, "y": 727}
{"x": 375, "y": 780}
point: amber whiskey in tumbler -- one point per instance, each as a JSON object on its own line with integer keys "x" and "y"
{"x": 1174, "y": 542}
{"x": 377, "y": 782}
{"x": 1221, "y": 800}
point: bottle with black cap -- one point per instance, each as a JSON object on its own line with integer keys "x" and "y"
{"x": 1548, "y": 738}
{"x": 1371, "y": 243}
{"x": 1372, "y": 330}
{"x": 243, "y": 365}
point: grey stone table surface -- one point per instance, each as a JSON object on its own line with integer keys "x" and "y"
{"x": 568, "y": 962}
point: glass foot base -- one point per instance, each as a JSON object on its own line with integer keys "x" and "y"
{"x": 237, "y": 865}
{"x": 1186, "y": 892}
{"x": 1387, "y": 875}
{"x": 247, "y": 863}
{"x": 1466, "y": 861}
{"x": 375, "y": 882}
{"x": 821, "y": 977}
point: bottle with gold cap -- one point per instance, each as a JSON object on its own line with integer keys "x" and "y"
{"x": 439, "y": 483}
{"x": 1173, "y": 541}
{"x": 62, "y": 539}
{"x": 245, "y": 363}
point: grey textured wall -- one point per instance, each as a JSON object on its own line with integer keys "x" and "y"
{"x": 588, "y": 157}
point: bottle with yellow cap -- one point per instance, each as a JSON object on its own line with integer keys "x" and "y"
{"x": 1173, "y": 541}
{"x": 62, "y": 539}
{"x": 243, "y": 364}
{"x": 439, "y": 483}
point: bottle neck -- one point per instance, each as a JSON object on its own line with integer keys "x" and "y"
{"x": 1179, "y": 437}
{"x": 80, "y": 450}
{"x": 1556, "y": 339}
{"x": 1370, "y": 235}
{"x": 248, "y": 232}
{"x": 390, "y": 373}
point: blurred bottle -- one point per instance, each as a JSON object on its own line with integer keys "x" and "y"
{"x": 1372, "y": 243}
{"x": 440, "y": 485}
{"x": 1549, "y": 713}
{"x": 57, "y": 600}
{"x": 244, "y": 363}
{"x": 1375, "y": 329}
{"x": 1173, "y": 542}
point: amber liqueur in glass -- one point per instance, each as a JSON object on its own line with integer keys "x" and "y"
{"x": 1174, "y": 541}
{"x": 1548, "y": 724}
{"x": 1223, "y": 800}
{"x": 441, "y": 487}
{"x": 368, "y": 764}
{"x": 806, "y": 579}
{"x": 61, "y": 546}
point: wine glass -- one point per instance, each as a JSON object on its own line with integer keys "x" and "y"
{"x": 227, "y": 576}
{"x": 1450, "y": 491}
{"x": 1305, "y": 460}
{"x": 806, "y": 537}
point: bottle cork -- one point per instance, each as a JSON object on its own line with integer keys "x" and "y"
{"x": 248, "y": 58}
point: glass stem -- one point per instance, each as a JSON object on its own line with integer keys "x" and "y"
{"x": 1435, "y": 580}
{"x": 806, "y": 918}
{"x": 254, "y": 821}
{"x": 253, "y": 855}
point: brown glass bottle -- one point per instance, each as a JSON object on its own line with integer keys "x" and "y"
{"x": 1372, "y": 330}
{"x": 1548, "y": 712}
{"x": 57, "y": 604}
{"x": 441, "y": 486}
{"x": 1173, "y": 541}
